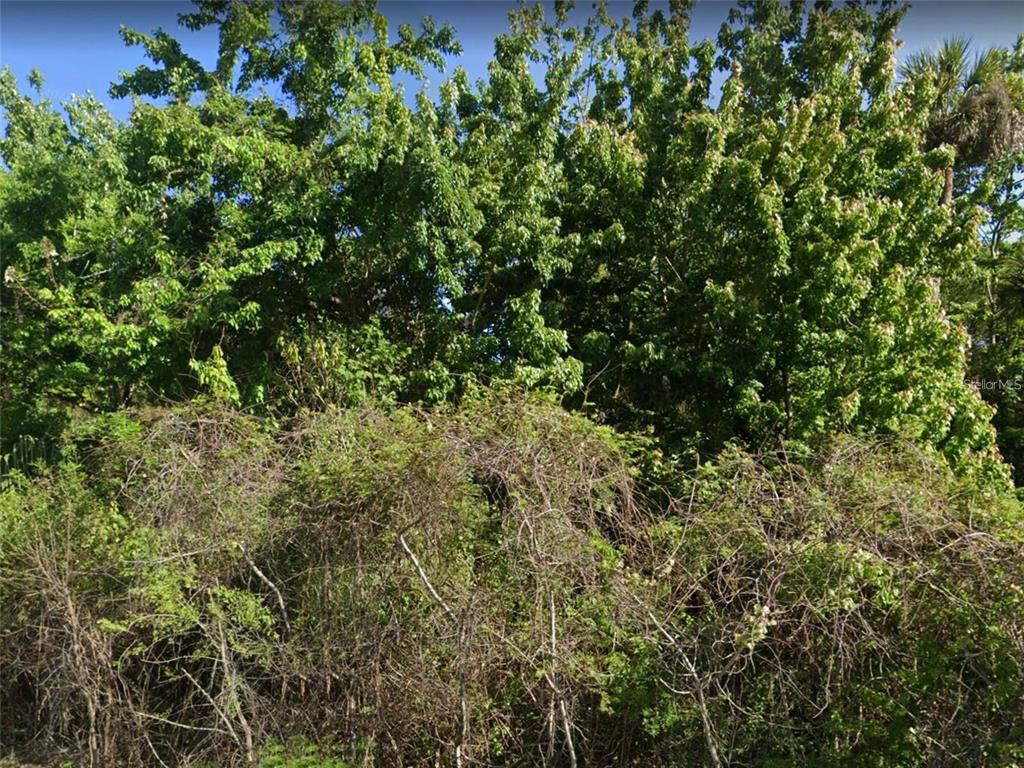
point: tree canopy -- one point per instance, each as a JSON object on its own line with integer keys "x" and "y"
{"x": 771, "y": 260}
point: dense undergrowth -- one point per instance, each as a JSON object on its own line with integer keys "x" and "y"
{"x": 500, "y": 584}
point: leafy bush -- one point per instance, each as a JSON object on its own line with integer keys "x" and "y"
{"x": 298, "y": 754}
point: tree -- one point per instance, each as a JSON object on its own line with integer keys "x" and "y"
{"x": 974, "y": 110}
{"x": 990, "y": 298}
{"x": 136, "y": 254}
{"x": 761, "y": 263}
{"x": 978, "y": 110}
{"x": 771, "y": 264}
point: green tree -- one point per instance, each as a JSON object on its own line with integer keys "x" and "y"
{"x": 132, "y": 252}
{"x": 975, "y": 110}
{"x": 771, "y": 260}
{"x": 978, "y": 110}
{"x": 770, "y": 264}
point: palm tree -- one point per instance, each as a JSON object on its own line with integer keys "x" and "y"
{"x": 976, "y": 110}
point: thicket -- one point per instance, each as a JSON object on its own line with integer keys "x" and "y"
{"x": 491, "y": 585}
{"x": 587, "y": 413}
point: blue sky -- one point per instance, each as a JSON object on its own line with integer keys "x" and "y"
{"x": 75, "y": 43}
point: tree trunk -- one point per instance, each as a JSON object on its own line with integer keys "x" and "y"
{"x": 947, "y": 189}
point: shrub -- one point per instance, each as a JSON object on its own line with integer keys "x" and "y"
{"x": 501, "y": 583}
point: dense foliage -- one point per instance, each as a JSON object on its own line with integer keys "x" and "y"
{"x": 487, "y": 586}
{"x": 768, "y": 261}
{"x": 261, "y": 502}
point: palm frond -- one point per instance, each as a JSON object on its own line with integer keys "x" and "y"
{"x": 989, "y": 66}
